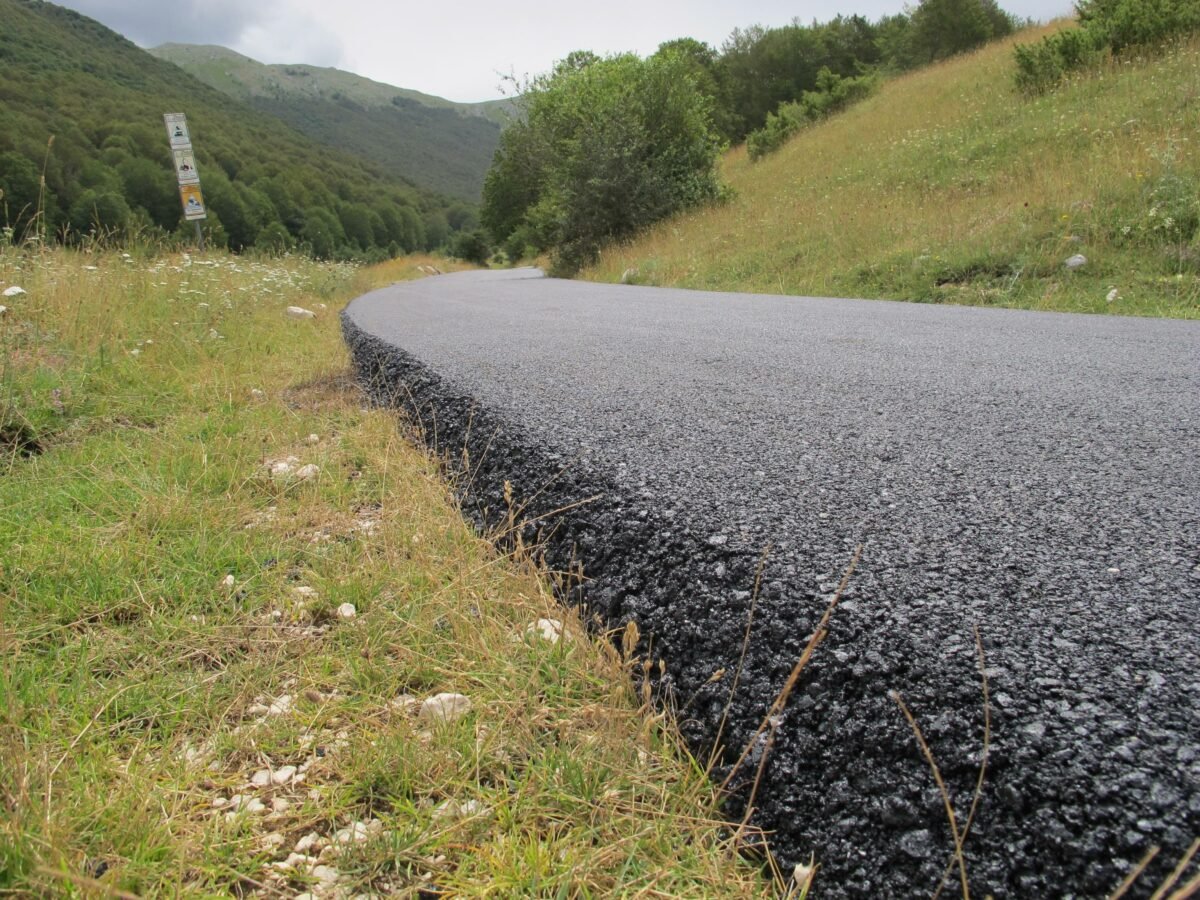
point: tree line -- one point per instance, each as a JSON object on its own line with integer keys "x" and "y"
{"x": 605, "y": 147}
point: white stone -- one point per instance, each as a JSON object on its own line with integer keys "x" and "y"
{"x": 327, "y": 875}
{"x": 1075, "y": 262}
{"x": 452, "y": 809}
{"x": 281, "y": 468}
{"x": 547, "y": 629}
{"x": 258, "y": 709}
{"x": 311, "y": 841}
{"x": 261, "y": 778}
{"x": 355, "y": 833}
{"x": 273, "y": 840}
{"x": 309, "y": 472}
{"x": 257, "y": 393}
{"x": 1113, "y": 295}
{"x": 280, "y": 706}
{"x": 220, "y": 802}
{"x": 404, "y": 703}
{"x": 299, "y": 312}
{"x": 280, "y": 805}
{"x": 3, "y": 311}
{"x": 283, "y": 774}
{"x": 346, "y": 612}
{"x": 228, "y": 582}
{"x": 445, "y": 707}
{"x": 312, "y": 439}
{"x": 14, "y": 291}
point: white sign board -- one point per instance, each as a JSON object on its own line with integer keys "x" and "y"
{"x": 177, "y": 131}
{"x": 185, "y": 167}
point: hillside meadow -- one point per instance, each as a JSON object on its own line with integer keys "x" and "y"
{"x": 948, "y": 186}
{"x": 249, "y": 645}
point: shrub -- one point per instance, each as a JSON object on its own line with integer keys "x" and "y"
{"x": 471, "y": 246}
{"x": 1105, "y": 25}
{"x": 833, "y": 94}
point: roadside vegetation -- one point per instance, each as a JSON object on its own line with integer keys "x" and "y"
{"x": 248, "y": 645}
{"x": 947, "y": 185}
{"x": 603, "y": 148}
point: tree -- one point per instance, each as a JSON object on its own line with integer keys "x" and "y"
{"x": 943, "y": 28}
{"x": 606, "y": 147}
{"x": 322, "y": 232}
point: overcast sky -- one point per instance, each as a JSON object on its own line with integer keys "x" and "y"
{"x": 461, "y": 48}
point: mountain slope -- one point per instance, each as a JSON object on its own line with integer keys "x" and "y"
{"x": 948, "y": 186}
{"x": 100, "y": 99}
{"x": 436, "y": 143}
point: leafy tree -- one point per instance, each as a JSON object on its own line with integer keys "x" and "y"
{"x": 356, "y": 223}
{"x": 21, "y": 184}
{"x": 608, "y": 146}
{"x": 471, "y": 246}
{"x": 322, "y": 232}
{"x": 99, "y": 211}
{"x": 151, "y": 187}
{"x": 943, "y": 28}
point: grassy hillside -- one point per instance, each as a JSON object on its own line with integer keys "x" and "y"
{"x": 174, "y": 635}
{"x": 100, "y": 98}
{"x": 947, "y": 186}
{"x": 441, "y": 145}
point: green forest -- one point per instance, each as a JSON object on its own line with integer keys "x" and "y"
{"x": 84, "y": 156}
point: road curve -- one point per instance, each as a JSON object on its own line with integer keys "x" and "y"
{"x": 1033, "y": 474}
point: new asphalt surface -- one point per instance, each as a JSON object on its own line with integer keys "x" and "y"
{"x": 1032, "y": 474}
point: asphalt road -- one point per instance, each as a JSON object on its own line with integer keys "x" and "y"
{"x": 1033, "y": 474}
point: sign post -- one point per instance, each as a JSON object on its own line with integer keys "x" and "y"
{"x": 186, "y": 174}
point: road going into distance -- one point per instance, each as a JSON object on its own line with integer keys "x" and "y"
{"x": 1032, "y": 474}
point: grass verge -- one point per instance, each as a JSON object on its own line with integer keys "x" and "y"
{"x": 192, "y": 498}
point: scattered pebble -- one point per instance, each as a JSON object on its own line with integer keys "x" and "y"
{"x": 282, "y": 468}
{"x": 257, "y": 393}
{"x": 261, "y": 778}
{"x": 1113, "y": 295}
{"x": 346, "y": 612}
{"x": 452, "y": 810}
{"x": 283, "y": 774}
{"x": 311, "y": 841}
{"x": 14, "y": 291}
{"x": 280, "y": 706}
{"x": 312, "y": 439}
{"x": 241, "y": 804}
{"x": 3, "y": 311}
{"x": 547, "y": 629}
{"x": 299, "y": 312}
{"x": 326, "y": 875}
{"x": 280, "y": 805}
{"x": 307, "y": 473}
{"x": 304, "y": 592}
{"x": 445, "y": 707}
{"x": 354, "y": 833}
{"x": 228, "y": 582}
{"x": 405, "y": 703}
{"x": 1077, "y": 261}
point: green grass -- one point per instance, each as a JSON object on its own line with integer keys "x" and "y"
{"x": 947, "y": 186}
{"x": 149, "y": 611}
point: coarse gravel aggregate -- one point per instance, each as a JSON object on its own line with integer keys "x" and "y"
{"x": 704, "y": 463}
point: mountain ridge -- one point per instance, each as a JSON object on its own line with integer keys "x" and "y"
{"x": 434, "y": 142}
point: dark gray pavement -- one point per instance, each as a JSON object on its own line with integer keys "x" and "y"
{"x": 1033, "y": 474}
